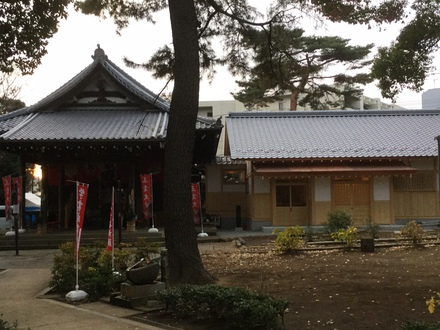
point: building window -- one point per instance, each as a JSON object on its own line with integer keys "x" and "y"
{"x": 291, "y": 195}
{"x": 234, "y": 176}
{"x": 206, "y": 111}
{"x": 421, "y": 181}
{"x": 283, "y": 196}
{"x": 282, "y": 105}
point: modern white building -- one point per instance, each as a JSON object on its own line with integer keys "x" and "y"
{"x": 431, "y": 99}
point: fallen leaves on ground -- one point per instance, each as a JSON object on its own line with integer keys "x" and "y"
{"x": 335, "y": 289}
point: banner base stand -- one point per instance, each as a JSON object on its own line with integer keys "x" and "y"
{"x": 202, "y": 234}
{"x": 76, "y": 295}
{"x": 12, "y": 232}
{"x": 153, "y": 230}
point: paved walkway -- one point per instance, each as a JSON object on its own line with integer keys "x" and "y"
{"x": 25, "y": 277}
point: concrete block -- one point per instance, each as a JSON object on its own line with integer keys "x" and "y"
{"x": 131, "y": 291}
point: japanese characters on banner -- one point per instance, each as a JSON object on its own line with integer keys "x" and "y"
{"x": 195, "y": 192}
{"x": 81, "y": 200}
{"x": 110, "y": 236}
{"x": 7, "y": 192}
{"x": 147, "y": 194}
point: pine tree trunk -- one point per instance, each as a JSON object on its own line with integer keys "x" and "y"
{"x": 185, "y": 263}
{"x": 294, "y": 100}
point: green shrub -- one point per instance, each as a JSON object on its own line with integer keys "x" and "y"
{"x": 239, "y": 308}
{"x": 336, "y": 220}
{"x": 288, "y": 240}
{"x": 414, "y": 231}
{"x": 5, "y": 325}
{"x": 349, "y": 236}
{"x": 309, "y": 233}
{"x": 96, "y": 276}
{"x": 372, "y": 228}
{"x": 145, "y": 249}
{"x": 433, "y": 302}
{"x": 412, "y": 325}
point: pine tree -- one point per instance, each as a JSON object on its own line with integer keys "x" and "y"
{"x": 289, "y": 62}
{"x": 201, "y": 21}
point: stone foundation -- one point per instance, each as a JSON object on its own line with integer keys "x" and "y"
{"x": 134, "y": 296}
{"x": 131, "y": 291}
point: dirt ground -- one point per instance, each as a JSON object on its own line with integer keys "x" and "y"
{"x": 336, "y": 289}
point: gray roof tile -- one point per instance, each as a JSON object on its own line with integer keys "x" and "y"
{"x": 98, "y": 124}
{"x": 333, "y": 134}
{"x": 51, "y": 119}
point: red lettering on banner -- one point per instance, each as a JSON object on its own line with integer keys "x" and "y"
{"x": 7, "y": 192}
{"x": 110, "y": 242}
{"x": 81, "y": 200}
{"x": 147, "y": 194}
{"x": 195, "y": 192}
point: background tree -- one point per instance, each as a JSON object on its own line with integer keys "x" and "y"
{"x": 25, "y": 29}
{"x": 9, "y": 92}
{"x": 408, "y": 60}
{"x": 287, "y": 61}
{"x": 195, "y": 24}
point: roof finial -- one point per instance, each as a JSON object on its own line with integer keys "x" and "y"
{"x": 99, "y": 54}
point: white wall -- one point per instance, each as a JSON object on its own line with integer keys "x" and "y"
{"x": 323, "y": 190}
{"x": 381, "y": 188}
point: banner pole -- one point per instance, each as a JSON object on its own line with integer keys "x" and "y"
{"x": 77, "y": 295}
{"x": 76, "y": 239}
{"x": 202, "y": 234}
{"x": 113, "y": 229}
{"x": 152, "y": 229}
{"x": 152, "y": 201}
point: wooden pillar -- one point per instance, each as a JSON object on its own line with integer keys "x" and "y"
{"x": 22, "y": 174}
{"x": 44, "y": 207}
{"x": 61, "y": 194}
{"x": 133, "y": 185}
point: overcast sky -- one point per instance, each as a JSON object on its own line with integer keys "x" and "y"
{"x": 71, "y": 49}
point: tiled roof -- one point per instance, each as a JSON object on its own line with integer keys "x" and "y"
{"x": 227, "y": 160}
{"x": 51, "y": 119}
{"x": 96, "y": 124}
{"x": 134, "y": 86}
{"x": 204, "y": 123}
{"x": 333, "y": 134}
{"x": 11, "y": 122}
{"x": 90, "y": 124}
{"x": 117, "y": 73}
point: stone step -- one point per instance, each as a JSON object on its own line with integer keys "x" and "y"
{"x": 30, "y": 240}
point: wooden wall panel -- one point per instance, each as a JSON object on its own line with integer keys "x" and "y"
{"x": 224, "y": 205}
{"x": 415, "y": 205}
{"x": 291, "y": 216}
{"x": 261, "y": 207}
{"x": 319, "y": 212}
{"x": 381, "y": 212}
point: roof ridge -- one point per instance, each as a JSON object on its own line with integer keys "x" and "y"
{"x": 20, "y": 125}
{"x": 99, "y": 58}
{"x": 331, "y": 113}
